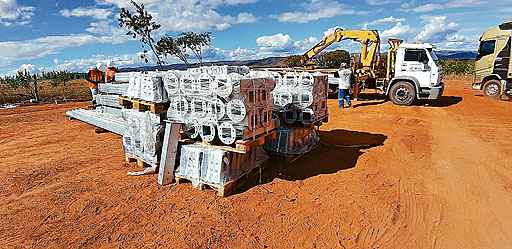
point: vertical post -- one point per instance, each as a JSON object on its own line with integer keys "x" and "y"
{"x": 169, "y": 153}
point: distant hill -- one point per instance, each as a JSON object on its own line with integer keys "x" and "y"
{"x": 456, "y": 55}
{"x": 267, "y": 62}
{"x": 281, "y": 61}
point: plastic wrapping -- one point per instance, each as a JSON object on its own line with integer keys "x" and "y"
{"x": 147, "y": 86}
{"x": 108, "y": 100}
{"x": 123, "y": 77}
{"x": 152, "y": 88}
{"x": 110, "y": 88}
{"x": 216, "y": 167}
{"x": 204, "y": 101}
{"x": 293, "y": 141}
{"x": 143, "y": 135}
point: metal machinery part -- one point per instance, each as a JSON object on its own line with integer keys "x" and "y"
{"x": 224, "y": 86}
{"x": 207, "y": 132}
{"x": 192, "y": 129}
{"x": 216, "y": 108}
{"x": 227, "y": 133}
{"x": 236, "y": 110}
{"x": 171, "y": 83}
{"x": 187, "y": 83}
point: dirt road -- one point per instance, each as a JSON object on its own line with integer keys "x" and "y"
{"x": 439, "y": 176}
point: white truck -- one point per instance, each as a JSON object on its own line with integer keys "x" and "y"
{"x": 415, "y": 74}
{"x": 412, "y": 71}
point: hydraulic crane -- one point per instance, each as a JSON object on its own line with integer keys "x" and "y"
{"x": 411, "y": 72}
{"x": 370, "y": 48}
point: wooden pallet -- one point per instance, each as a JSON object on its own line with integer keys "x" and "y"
{"x": 240, "y": 146}
{"x": 229, "y": 187}
{"x": 240, "y": 166}
{"x": 261, "y": 131}
{"x": 142, "y": 105}
{"x": 148, "y": 169}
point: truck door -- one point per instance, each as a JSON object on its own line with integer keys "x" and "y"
{"x": 416, "y": 64}
{"x": 484, "y": 62}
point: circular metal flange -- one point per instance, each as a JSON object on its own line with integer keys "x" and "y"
{"x": 216, "y": 109}
{"x": 224, "y": 86}
{"x": 227, "y": 133}
{"x": 192, "y": 129}
{"x": 188, "y": 83}
{"x": 207, "y": 132}
{"x": 236, "y": 110}
{"x": 307, "y": 79}
{"x": 180, "y": 106}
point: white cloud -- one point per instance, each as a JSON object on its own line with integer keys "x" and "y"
{"x": 96, "y": 13}
{"x": 397, "y": 31}
{"x": 429, "y": 7}
{"x": 282, "y": 45}
{"x": 13, "y": 14}
{"x": 436, "y": 29}
{"x": 381, "y": 2}
{"x": 274, "y": 41}
{"x": 13, "y": 51}
{"x": 83, "y": 64}
{"x": 186, "y": 15}
{"x": 316, "y": 10}
{"x": 245, "y": 18}
{"x": 389, "y": 19}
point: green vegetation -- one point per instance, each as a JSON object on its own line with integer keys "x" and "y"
{"x": 458, "y": 67}
{"x": 25, "y": 86}
{"x": 332, "y": 59}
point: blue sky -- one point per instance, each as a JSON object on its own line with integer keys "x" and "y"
{"x": 73, "y": 35}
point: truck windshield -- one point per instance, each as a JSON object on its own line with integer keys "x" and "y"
{"x": 433, "y": 54}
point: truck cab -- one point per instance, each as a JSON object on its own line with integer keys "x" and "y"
{"x": 416, "y": 74}
{"x": 493, "y": 68}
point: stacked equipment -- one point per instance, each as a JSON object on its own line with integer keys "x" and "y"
{"x": 227, "y": 106}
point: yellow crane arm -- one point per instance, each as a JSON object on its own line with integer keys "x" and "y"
{"x": 369, "y": 39}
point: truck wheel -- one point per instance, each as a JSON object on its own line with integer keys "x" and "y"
{"x": 402, "y": 93}
{"x": 492, "y": 88}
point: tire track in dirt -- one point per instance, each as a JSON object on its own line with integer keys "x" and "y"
{"x": 475, "y": 205}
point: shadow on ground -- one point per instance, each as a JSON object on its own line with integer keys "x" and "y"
{"x": 444, "y": 101}
{"x": 339, "y": 150}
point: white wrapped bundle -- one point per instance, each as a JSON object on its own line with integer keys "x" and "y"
{"x": 143, "y": 134}
{"x": 133, "y": 90}
{"x": 152, "y": 88}
{"x": 123, "y": 77}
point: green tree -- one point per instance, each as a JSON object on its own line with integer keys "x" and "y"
{"x": 169, "y": 46}
{"x": 195, "y": 42}
{"x": 334, "y": 59}
{"x": 28, "y": 81}
{"x": 140, "y": 25}
{"x": 294, "y": 61}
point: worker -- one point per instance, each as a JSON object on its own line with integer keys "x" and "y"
{"x": 110, "y": 72}
{"x": 345, "y": 74}
{"x": 94, "y": 77}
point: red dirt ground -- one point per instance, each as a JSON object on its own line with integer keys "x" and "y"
{"x": 440, "y": 178}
